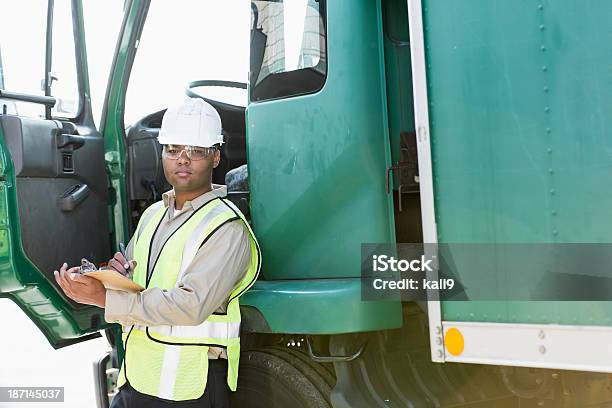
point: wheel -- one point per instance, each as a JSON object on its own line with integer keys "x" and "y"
{"x": 325, "y": 371}
{"x": 271, "y": 378}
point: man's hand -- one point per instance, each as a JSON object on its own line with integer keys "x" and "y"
{"x": 81, "y": 289}
{"x": 121, "y": 265}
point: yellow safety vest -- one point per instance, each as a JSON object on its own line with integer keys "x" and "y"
{"x": 171, "y": 362}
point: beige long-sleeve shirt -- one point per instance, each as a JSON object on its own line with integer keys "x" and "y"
{"x": 205, "y": 286}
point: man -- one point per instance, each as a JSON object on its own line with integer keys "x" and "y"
{"x": 195, "y": 255}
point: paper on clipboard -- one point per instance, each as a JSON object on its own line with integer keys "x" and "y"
{"x": 112, "y": 279}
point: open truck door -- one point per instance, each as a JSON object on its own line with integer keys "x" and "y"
{"x": 53, "y": 185}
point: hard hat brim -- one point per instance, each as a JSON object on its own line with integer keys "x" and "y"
{"x": 185, "y": 140}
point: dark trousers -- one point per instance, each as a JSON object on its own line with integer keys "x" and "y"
{"x": 216, "y": 394}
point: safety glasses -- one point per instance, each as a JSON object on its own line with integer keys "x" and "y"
{"x": 173, "y": 152}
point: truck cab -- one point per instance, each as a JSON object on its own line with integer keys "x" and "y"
{"x": 339, "y": 131}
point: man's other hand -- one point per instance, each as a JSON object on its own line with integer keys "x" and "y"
{"x": 81, "y": 289}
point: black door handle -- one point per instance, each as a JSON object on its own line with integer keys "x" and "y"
{"x": 65, "y": 140}
{"x": 72, "y": 197}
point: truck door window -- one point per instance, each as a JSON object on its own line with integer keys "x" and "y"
{"x": 22, "y": 46}
{"x": 64, "y": 85}
{"x": 102, "y": 21}
{"x": 23, "y": 50}
{"x": 288, "y": 48}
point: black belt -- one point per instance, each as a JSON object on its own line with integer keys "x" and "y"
{"x": 217, "y": 362}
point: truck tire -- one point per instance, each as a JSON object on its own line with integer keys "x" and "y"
{"x": 271, "y": 378}
{"x": 325, "y": 371}
{"x": 312, "y": 370}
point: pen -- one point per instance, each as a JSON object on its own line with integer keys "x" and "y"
{"x": 122, "y": 250}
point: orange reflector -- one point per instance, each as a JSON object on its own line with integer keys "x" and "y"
{"x": 453, "y": 340}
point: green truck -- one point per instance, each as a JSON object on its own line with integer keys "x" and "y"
{"x": 369, "y": 121}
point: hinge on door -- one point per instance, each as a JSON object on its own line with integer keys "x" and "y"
{"x": 408, "y": 167}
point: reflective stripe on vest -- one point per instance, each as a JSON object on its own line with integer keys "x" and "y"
{"x": 171, "y": 362}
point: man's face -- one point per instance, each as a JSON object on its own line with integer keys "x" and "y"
{"x": 188, "y": 175}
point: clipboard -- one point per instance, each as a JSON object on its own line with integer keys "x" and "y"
{"x": 112, "y": 279}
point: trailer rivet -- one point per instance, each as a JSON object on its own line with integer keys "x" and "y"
{"x": 543, "y": 47}
{"x": 553, "y": 212}
{"x": 540, "y": 7}
{"x": 439, "y": 341}
{"x": 551, "y": 171}
{"x": 438, "y": 330}
{"x": 542, "y": 350}
{"x": 541, "y": 334}
{"x": 440, "y": 354}
{"x": 541, "y": 27}
{"x": 544, "y": 68}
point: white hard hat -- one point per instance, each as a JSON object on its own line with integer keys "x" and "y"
{"x": 194, "y": 122}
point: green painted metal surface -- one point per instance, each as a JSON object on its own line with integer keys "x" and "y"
{"x": 317, "y": 176}
{"x": 519, "y": 96}
{"x": 317, "y": 162}
{"x": 320, "y": 306}
{"x": 112, "y": 126}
